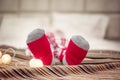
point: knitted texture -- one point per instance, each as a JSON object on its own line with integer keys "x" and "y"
{"x": 44, "y": 47}
{"x": 39, "y": 46}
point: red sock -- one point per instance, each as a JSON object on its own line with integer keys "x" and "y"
{"x": 76, "y": 51}
{"x": 39, "y": 46}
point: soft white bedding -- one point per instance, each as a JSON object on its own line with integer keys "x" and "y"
{"x": 91, "y": 27}
{"x": 15, "y": 28}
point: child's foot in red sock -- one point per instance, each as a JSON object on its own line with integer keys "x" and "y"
{"x": 76, "y": 51}
{"x": 39, "y": 45}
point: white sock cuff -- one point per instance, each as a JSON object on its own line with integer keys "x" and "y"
{"x": 64, "y": 60}
{"x": 80, "y": 42}
{"x": 53, "y": 60}
{"x": 35, "y": 34}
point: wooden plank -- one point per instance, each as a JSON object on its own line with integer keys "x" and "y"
{"x": 99, "y": 61}
{"x": 100, "y": 54}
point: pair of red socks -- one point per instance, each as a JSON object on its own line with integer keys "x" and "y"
{"x": 39, "y": 45}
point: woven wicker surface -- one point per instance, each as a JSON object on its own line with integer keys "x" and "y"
{"x": 98, "y": 65}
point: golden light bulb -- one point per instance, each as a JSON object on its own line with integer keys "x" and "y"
{"x": 0, "y": 54}
{"x": 6, "y": 59}
{"x": 36, "y": 63}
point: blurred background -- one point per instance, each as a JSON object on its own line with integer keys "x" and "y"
{"x": 96, "y": 20}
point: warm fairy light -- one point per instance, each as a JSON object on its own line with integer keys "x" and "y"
{"x": 6, "y": 59}
{"x": 0, "y": 54}
{"x": 36, "y": 63}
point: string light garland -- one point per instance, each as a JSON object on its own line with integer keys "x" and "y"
{"x": 35, "y": 63}
{"x": 6, "y": 58}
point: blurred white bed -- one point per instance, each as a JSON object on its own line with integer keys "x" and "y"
{"x": 15, "y": 28}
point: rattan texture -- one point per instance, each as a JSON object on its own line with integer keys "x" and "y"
{"x": 97, "y": 61}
